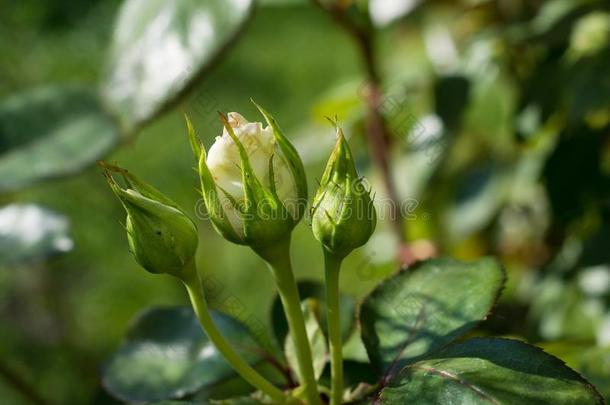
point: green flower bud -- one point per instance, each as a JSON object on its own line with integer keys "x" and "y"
{"x": 161, "y": 236}
{"x": 253, "y": 181}
{"x": 343, "y": 214}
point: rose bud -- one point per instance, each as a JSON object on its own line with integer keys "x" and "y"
{"x": 161, "y": 236}
{"x": 343, "y": 214}
{"x": 253, "y": 181}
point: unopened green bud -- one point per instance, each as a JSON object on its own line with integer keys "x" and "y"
{"x": 253, "y": 181}
{"x": 343, "y": 214}
{"x": 161, "y": 236}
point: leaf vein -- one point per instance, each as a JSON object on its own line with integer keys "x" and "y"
{"x": 445, "y": 374}
{"x": 410, "y": 338}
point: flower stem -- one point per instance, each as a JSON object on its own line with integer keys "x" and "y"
{"x": 195, "y": 291}
{"x": 278, "y": 259}
{"x": 332, "y": 265}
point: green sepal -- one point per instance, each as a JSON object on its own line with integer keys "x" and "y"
{"x": 265, "y": 218}
{"x": 196, "y": 144}
{"x": 272, "y": 187}
{"x": 209, "y": 190}
{"x": 161, "y": 237}
{"x": 341, "y": 168}
{"x": 292, "y": 156}
{"x": 145, "y": 189}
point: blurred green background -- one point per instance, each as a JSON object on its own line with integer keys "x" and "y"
{"x": 500, "y": 119}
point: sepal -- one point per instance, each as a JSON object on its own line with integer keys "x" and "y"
{"x": 162, "y": 238}
{"x": 294, "y": 160}
{"x": 209, "y": 190}
{"x": 265, "y": 218}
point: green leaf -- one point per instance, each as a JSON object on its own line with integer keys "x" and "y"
{"x": 317, "y": 340}
{"x": 166, "y": 355}
{"x": 421, "y": 310}
{"x": 50, "y": 132}
{"x": 593, "y": 362}
{"x": 160, "y": 48}
{"x": 30, "y": 232}
{"x": 314, "y": 289}
{"x": 490, "y": 371}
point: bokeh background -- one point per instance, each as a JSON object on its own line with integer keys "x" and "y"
{"x": 498, "y": 122}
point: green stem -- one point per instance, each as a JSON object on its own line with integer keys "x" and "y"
{"x": 332, "y": 265}
{"x": 278, "y": 259}
{"x": 195, "y": 291}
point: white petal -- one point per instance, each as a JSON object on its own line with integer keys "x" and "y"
{"x": 224, "y": 163}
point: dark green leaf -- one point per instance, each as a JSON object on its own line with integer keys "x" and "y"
{"x": 591, "y": 361}
{"x": 160, "y": 47}
{"x": 51, "y": 132}
{"x": 314, "y": 289}
{"x": 490, "y": 371}
{"x": 166, "y": 355}
{"x": 419, "y": 311}
{"x": 29, "y": 232}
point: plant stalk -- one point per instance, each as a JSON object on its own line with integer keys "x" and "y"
{"x": 193, "y": 285}
{"x": 278, "y": 260}
{"x": 332, "y": 265}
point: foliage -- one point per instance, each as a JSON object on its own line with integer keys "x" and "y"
{"x": 497, "y": 117}
{"x": 166, "y": 353}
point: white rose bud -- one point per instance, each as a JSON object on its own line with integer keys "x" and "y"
{"x": 253, "y": 181}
